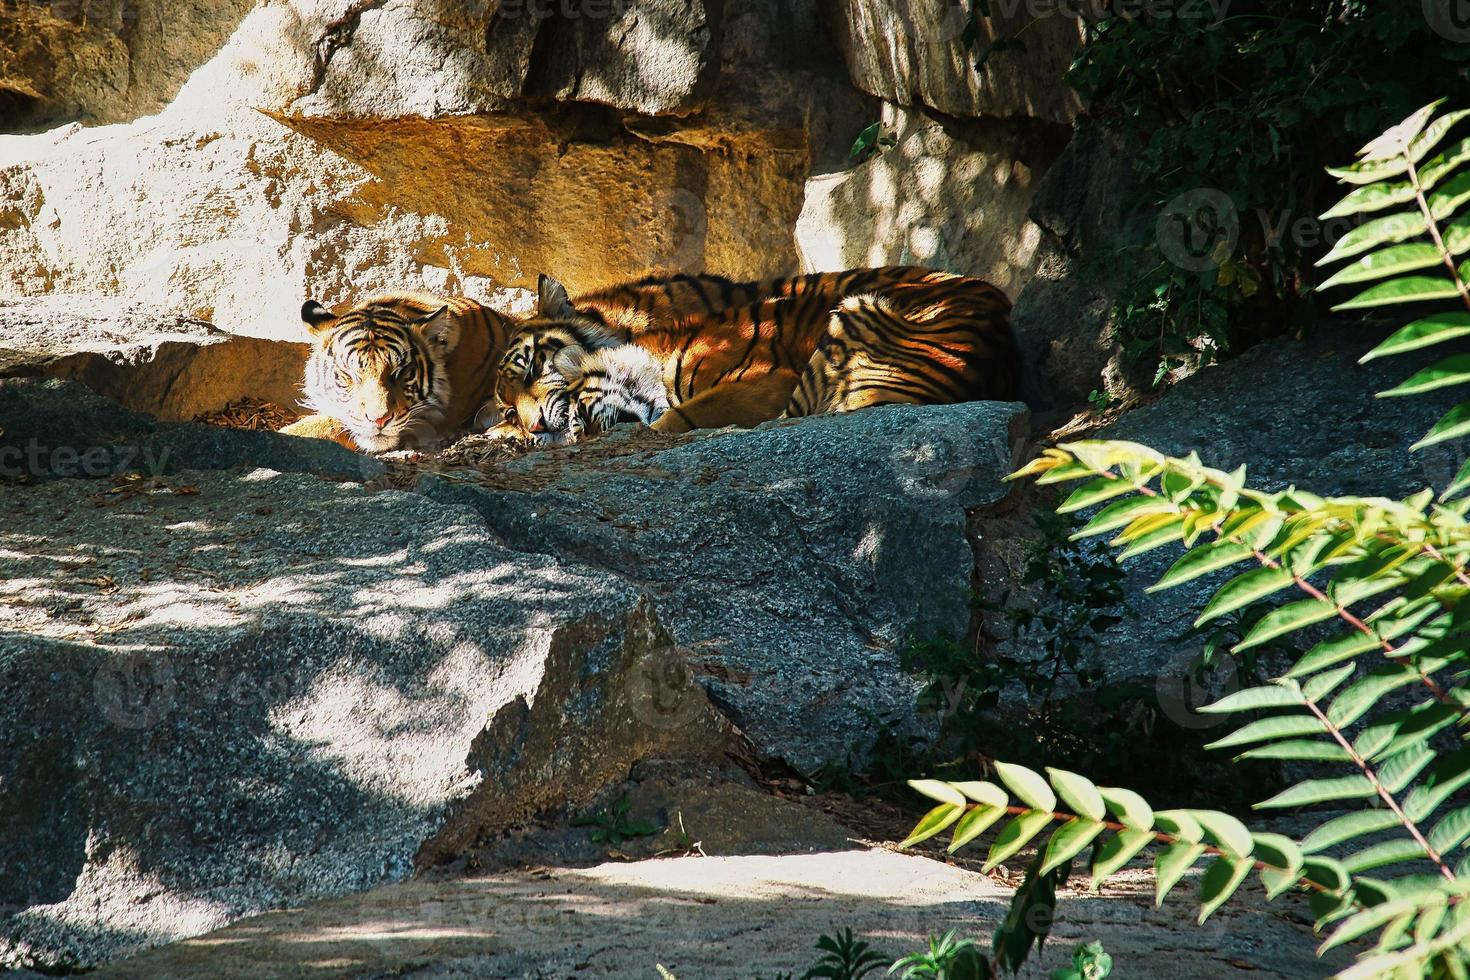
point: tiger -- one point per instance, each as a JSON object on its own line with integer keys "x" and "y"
{"x": 398, "y": 371}
{"x": 829, "y": 342}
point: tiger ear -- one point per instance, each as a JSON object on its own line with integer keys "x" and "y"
{"x": 440, "y": 329}
{"x": 315, "y": 316}
{"x": 568, "y": 362}
{"x": 552, "y": 301}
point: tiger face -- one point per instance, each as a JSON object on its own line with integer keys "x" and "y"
{"x": 379, "y": 370}
{"x": 533, "y": 399}
{"x": 614, "y": 386}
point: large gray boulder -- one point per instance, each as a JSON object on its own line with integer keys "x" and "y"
{"x": 793, "y": 561}
{"x": 1294, "y": 412}
{"x": 240, "y": 670}
{"x": 225, "y": 690}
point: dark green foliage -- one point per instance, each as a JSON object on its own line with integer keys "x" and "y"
{"x": 947, "y": 958}
{"x": 1254, "y": 106}
{"x": 1089, "y": 962}
{"x": 1028, "y": 921}
{"x": 612, "y": 826}
{"x": 845, "y": 958}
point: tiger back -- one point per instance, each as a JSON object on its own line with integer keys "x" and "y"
{"x": 744, "y": 353}
{"x": 398, "y": 371}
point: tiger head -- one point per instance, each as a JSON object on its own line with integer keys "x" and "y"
{"x": 532, "y": 392}
{"x": 379, "y": 369}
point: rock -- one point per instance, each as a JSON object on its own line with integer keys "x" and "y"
{"x": 792, "y": 561}
{"x": 726, "y": 917}
{"x": 912, "y": 52}
{"x": 1063, "y": 318}
{"x": 103, "y": 60}
{"x": 500, "y": 146}
{"x": 145, "y": 357}
{"x": 1294, "y": 412}
{"x": 53, "y": 429}
{"x": 227, "y": 690}
{"x": 950, "y": 194}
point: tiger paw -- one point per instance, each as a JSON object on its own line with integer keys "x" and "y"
{"x": 321, "y": 427}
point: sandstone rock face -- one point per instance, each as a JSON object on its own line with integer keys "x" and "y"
{"x": 912, "y": 52}
{"x": 103, "y": 61}
{"x": 145, "y": 357}
{"x": 949, "y": 194}
{"x": 502, "y": 144}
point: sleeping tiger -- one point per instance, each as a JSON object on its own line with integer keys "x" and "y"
{"x": 399, "y": 371}
{"x": 718, "y": 353}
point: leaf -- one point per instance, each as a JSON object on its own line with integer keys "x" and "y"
{"x": 1244, "y": 589}
{"x": 1420, "y": 146}
{"x": 1379, "y": 855}
{"x": 1298, "y": 750}
{"x": 1456, "y": 423}
{"x": 1398, "y": 771}
{"x": 1095, "y": 492}
{"x": 1202, "y": 561}
{"x": 1171, "y": 864}
{"x": 1275, "y": 727}
{"x": 1130, "y": 808}
{"x": 1227, "y": 831}
{"x": 1117, "y": 851}
{"x": 1370, "y": 172}
{"x": 974, "y": 823}
{"x": 1392, "y": 261}
{"x": 1449, "y": 773}
{"x": 1121, "y": 513}
{"x": 1178, "y": 823}
{"x": 1028, "y": 786}
{"x": 1016, "y": 835}
{"x": 1070, "y": 838}
{"x": 1311, "y": 791}
{"x": 1422, "y": 333}
{"x": 1404, "y": 289}
{"x": 1453, "y": 370}
{"x": 1396, "y": 140}
{"x": 1326, "y": 682}
{"x": 1450, "y": 831}
{"x": 1331, "y": 652}
{"x": 938, "y": 790}
{"x": 1286, "y": 619}
{"x": 1254, "y": 698}
{"x": 932, "y": 823}
{"x": 1078, "y": 793}
{"x": 1341, "y": 829}
{"x": 984, "y": 792}
{"x": 1362, "y": 923}
{"x": 1371, "y": 197}
{"x": 1277, "y": 850}
{"x": 1391, "y": 228}
{"x": 1362, "y": 694}
{"x": 1220, "y": 881}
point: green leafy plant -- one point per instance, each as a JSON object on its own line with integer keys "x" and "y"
{"x": 1410, "y": 253}
{"x": 872, "y": 140}
{"x": 1089, "y": 962}
{"x": 947, "y": 958}
{"x": 844, "y": 957}
{"x": 1251, "y": 105}
{"x": 613, "y": 826}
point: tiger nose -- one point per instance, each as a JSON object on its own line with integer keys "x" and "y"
{"x": 383, "y": 420}
{"x": 539, "y": 425}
